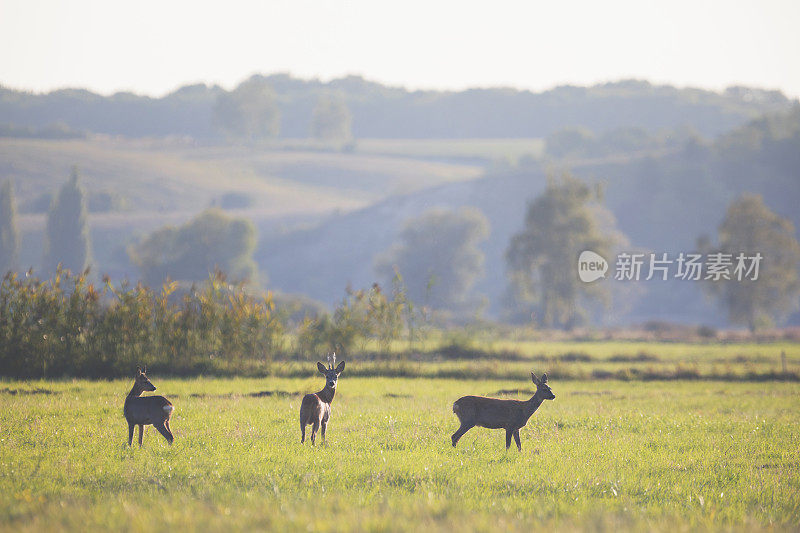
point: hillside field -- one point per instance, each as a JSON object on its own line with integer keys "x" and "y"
{"x": 281, "y": 178}
{"x": 167, "y": 182}
{"x": 648, "y": 455}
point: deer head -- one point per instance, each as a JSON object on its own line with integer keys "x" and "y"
{"x": 331, "y": 374}
{"x": 142, "y": 382}
{"x": 542, "y": 388}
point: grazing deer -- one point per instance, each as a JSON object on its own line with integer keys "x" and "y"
{"x": 143, "y": 410}
{"x": 494, "y": 413}
{"x": 316, "y": 407}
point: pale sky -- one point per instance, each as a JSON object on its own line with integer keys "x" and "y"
{"x": 153, "y": 47}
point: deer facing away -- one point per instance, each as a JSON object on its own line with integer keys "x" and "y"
{"x": 494, "y": 413}
{"x": 144, "y": 410}
{"x": 315, "y": 410}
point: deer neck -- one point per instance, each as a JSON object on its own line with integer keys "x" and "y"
{"x": 532, "y": 405}
{"x": 136, "y": 391}
{"x": 326, "y": 394}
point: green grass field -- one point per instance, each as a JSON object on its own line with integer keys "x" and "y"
{"x": 605, "y": 454}
{"x": 583, "y": 360}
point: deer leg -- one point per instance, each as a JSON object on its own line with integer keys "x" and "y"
{"x": 302, "y": 432}
{"x": 141, "y": 434}
{"x": 516, "y": 439}
{"x": 323, "y": 427}
{"x": 460, "y": 432}
{"x": 130, "y": 434}
{"x": 164, "y": 431}
{"x": 509, "y": 433}
{"x": 314, "y": 429}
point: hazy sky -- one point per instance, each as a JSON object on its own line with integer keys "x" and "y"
{"x": 154, "y": 47}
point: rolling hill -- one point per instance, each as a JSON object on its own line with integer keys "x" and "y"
{"x": 162, "y": 182}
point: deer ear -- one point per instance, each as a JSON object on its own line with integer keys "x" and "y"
{"x": 138, "y": 370}
{"x": 544, "y": 377}
{"x": 320, "y": 367}
{"x": 535, "y": 379}
{"x": 340, "y": 368}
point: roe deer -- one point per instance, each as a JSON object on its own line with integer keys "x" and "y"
{"x": 494, "y": 413}
{"x": 316, "y": 408}
{"x": 143, "y": 410}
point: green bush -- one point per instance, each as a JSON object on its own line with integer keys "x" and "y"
{"x": 66, "y": 326}
{"x": 363, "y": 315}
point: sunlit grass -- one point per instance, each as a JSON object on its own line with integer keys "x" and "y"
{"x": 658, "y": 455}
{"x": 489, "y": 357}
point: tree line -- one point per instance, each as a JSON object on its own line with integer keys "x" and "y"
{"x": 379, "y": 111}
{"x": 70, "y": 326}
{"x": 252, "y": 112}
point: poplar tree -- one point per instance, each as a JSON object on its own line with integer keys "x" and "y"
{"x": 9, "y": 234}
{"x": 67, "y": 236}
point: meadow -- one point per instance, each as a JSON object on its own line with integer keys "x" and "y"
{"x": 605, "y": 454}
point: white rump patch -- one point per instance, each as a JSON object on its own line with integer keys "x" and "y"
{"x": 168, "y": 408}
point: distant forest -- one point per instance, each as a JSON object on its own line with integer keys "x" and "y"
{"x": 379, "y": 111}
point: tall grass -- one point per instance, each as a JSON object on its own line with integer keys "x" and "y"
{"x": 67, "y": 326}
